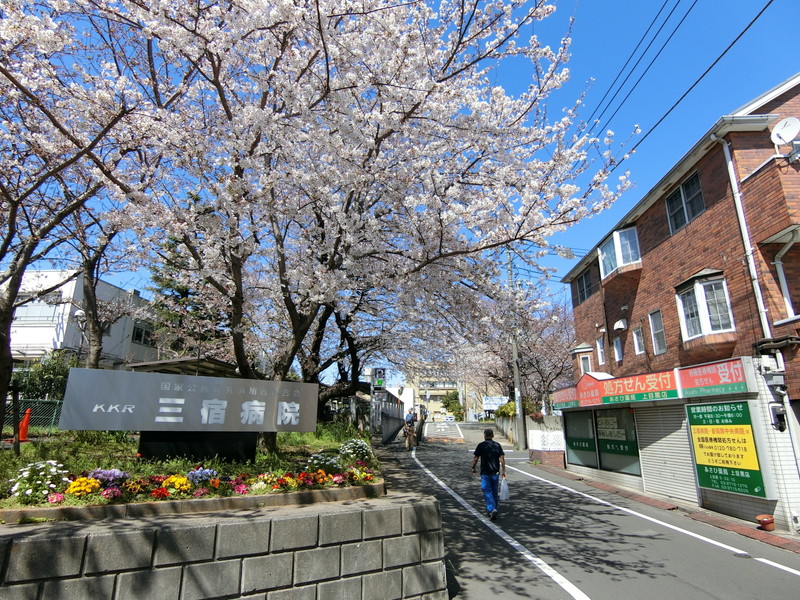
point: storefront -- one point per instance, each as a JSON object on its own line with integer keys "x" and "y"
{"x": 701, "y": 434}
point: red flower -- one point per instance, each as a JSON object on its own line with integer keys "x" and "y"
{"x": 160, "y": 493}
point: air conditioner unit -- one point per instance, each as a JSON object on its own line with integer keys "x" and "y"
{"x": 774, "y": 379}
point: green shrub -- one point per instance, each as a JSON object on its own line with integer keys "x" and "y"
{"x": 509, "y": 409}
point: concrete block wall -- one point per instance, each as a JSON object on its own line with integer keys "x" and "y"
{"x": 378, "y": 549}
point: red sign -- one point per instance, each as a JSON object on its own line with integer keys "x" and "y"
{"x": 716, "y": 378}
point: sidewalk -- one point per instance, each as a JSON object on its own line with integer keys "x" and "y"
{"x": 396, "y": 479}
{"x": 745, "y": 528}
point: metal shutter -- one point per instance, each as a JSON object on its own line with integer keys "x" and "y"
{"x": 664, "y": 452}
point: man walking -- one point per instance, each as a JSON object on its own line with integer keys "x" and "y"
{"x": 492, "y": 457}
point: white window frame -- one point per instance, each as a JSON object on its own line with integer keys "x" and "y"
{"x": 657, "y": 333}
{"x": 617, "y": 349}
{"x": 638, "y": 341}
{"x": 703, "y": 322}
{"x": 625, "y": 245}
{"x": 601, "y": 350}
{"x": 585, "y": 362}
{"x": 687, "y": 208}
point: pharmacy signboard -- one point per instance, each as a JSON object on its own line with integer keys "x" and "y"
{"x": 733, "y": 376}
{"x": 725, "y": 452}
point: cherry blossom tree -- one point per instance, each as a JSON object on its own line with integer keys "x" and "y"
{"x": 319, "y": 160}
{"x": 336, "y": 146}
{"x": 59, "y": 115}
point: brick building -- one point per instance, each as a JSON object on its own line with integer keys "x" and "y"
{"x": 687, "y": 326}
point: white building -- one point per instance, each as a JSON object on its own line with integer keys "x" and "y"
{"x": 54, "y": 322}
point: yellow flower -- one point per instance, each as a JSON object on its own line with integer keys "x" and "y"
{"x": 179, "y": 483}
{"x": 82, "y": 486}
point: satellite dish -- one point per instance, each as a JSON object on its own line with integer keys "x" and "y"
{"x": 785, "y": 131}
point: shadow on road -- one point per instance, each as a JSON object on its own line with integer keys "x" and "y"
{"x": 563, "y": 528}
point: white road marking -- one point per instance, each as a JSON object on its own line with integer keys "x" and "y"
{"x": 702, "y": 538}
{"x": 559, "y": 579}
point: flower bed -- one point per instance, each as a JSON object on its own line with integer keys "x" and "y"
{"x": 47, "y": 483}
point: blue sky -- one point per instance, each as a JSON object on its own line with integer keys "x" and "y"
{"x": 605, "y": 35}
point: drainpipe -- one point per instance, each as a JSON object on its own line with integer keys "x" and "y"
{"x": 748, "y": 248}
{"x": 778, "y": 262}
{"x": 751, "y": 265}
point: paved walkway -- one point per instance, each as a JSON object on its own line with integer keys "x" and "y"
{"x": 397, "y": 479}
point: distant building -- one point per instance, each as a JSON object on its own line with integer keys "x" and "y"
{"x": 430, "y": 388}
{"x": 53, "y": 322}
{"x": 686, "y": 317}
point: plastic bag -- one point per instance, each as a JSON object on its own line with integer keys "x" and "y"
{"x": 504, "y": 489}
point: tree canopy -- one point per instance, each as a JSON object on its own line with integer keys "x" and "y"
{"x": 333, "y": 175}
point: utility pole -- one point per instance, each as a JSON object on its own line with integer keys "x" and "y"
{"x": 521, "y": 429}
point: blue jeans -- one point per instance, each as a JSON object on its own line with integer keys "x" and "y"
{"x": 490, "y": 485}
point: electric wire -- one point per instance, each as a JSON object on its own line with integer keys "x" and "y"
{"x": 630, "y": 57}
{"x": 696, "y": 82}
{"x": 647, "y": 69}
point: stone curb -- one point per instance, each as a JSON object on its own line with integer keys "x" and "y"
{"x": 193, "y": 506}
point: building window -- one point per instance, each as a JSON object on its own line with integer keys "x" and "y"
{"x": 685, "y": 203}
{"x": 638, "y": 341}
{"x": 617, "y": 349}
{"x": 580, "y": 438}
{"x": 143, "y": 334}
{"x": 584, "y": 286}
{"x": 622, "y": 248}
{"x": 586, "y": 363}
{"x": 657, "y": 332}
{"x": 37, "y": 310}
{"x": 601, "y": 351}
{"x": 704, "y": 308}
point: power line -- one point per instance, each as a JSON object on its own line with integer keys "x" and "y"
{"x": 697, "y": 81}
{"x": 630, "y": 57}
{"x": 652, "y": 62}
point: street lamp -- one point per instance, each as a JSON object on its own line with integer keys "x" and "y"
{"x": 80, "y": 317}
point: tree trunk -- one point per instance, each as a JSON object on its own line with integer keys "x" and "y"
{"x": 268, "y": 441}
{"x": 6, "y": 367}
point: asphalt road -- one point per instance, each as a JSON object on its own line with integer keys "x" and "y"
{"x": 563, "y": 539}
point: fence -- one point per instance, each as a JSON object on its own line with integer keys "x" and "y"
{"x": 44, "y": 413}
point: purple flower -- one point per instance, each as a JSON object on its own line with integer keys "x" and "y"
{"x": 109, "y": 477}
{"x": 201, "y": 475}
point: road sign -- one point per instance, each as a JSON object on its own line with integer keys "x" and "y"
{"x": 378, "y": 378}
